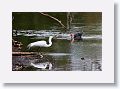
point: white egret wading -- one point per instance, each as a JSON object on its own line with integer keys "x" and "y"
{"x": 41, "y": 43}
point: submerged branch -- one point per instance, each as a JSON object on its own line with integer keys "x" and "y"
{"x": 53, "y": 19}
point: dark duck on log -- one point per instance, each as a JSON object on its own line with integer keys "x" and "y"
{"x": 76, "y": 36}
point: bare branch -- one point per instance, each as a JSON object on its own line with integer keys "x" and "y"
{"x": 53, "y": 19}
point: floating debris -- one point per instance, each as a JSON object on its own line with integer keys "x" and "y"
{"x": 16, "y": 45}
{"x": 82, "y": 58}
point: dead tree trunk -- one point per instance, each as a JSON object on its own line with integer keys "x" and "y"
{"x": 54, "y": 19}
{"x": 69, "y": 20}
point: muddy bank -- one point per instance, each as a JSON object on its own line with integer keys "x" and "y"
{"x": 23, "y": 63}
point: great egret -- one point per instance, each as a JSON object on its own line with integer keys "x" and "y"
{"x": 41, "y": 43}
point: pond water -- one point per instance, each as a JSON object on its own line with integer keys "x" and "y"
{"x": 64, "y": 55}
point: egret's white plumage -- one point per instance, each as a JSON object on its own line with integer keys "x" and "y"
{"x": 45, "y": 65}
{"x": 41, "y": 43}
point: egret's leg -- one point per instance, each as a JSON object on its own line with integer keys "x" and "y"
{"x": 39, "y": 53}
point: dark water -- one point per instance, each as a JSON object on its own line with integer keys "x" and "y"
{"x": 64, "y": 55}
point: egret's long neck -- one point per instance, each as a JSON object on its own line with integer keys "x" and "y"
{"x": 50, "y": 41}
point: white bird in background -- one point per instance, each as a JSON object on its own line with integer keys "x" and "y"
{"x": 41, "y": 43}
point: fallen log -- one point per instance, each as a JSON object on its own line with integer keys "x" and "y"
{"x": 23, "y": 53}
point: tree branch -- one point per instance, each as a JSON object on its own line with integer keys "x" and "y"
{"x": 53, "y": 19}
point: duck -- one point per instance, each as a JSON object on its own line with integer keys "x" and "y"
{"x": 76, "y": 36}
